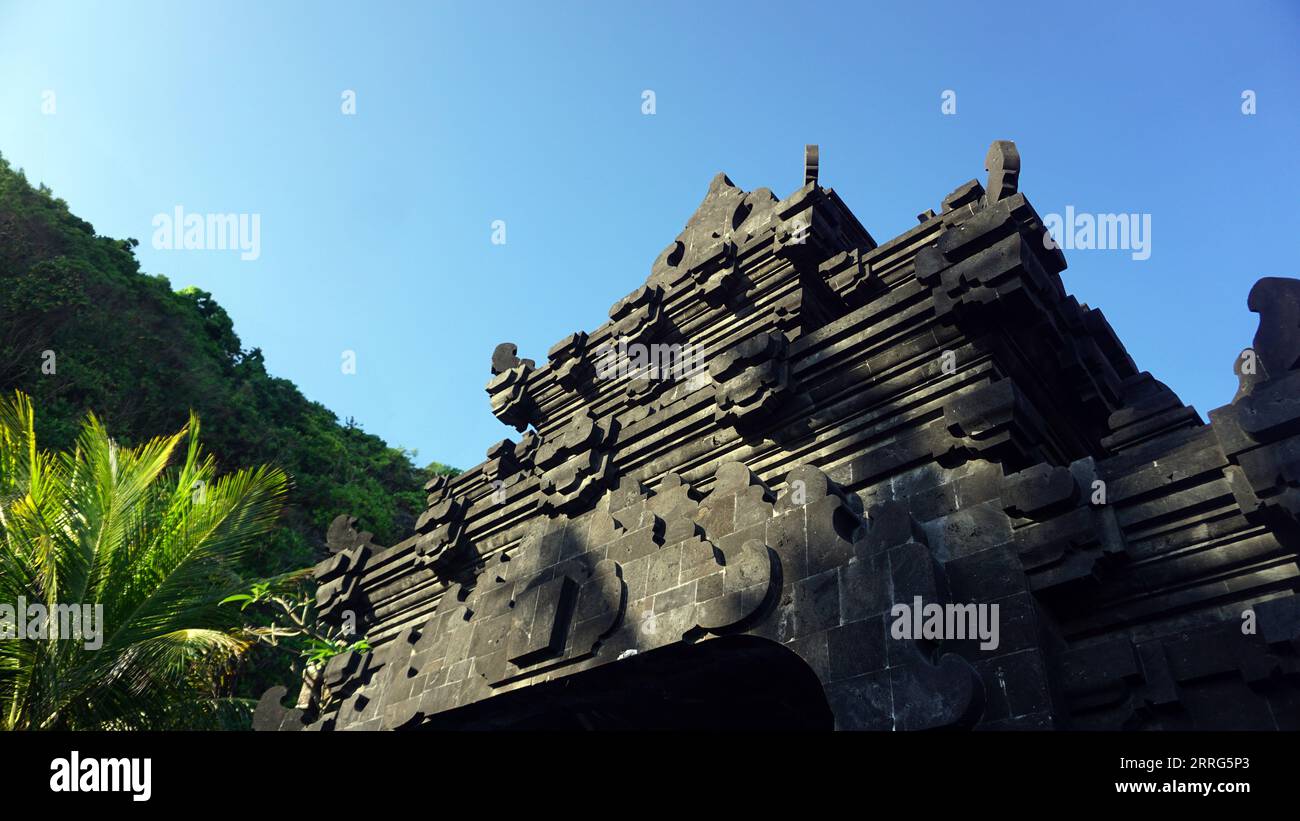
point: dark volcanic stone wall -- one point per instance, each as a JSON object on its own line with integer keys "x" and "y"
{"x": 930, "y": 417}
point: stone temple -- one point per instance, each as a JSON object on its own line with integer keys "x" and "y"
{"x": 867, "y": 428}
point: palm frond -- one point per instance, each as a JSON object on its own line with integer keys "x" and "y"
{"x": 155, "y": 539}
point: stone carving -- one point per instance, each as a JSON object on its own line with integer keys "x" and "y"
{"x": 442, "y": 543}
{"x": 338, "y": 577}
{"x": 546, "y": 610}
{"x": 991, "y": 422}
{"x": 508, "y": 389}
{"x": 505, "y": 357}
{"x": 1260, "y": 431}
{"x": 945, "y": 425}
{"x": 1277, "y": 342}
{"x": 801, "y": 235}
{"x": 850, "y": 276}
{"x": 270, "y": 714}
{"x": 501, "y": 463}
{"x": 717, "y": 277}
{"x": 576, "y": 464}
{"x": 342, "y": 536}
{"x": 726, "y": 222}
{"x": 568, "y": 359}
{"x": 526, "y": 450}
{"x": 1149, "y": 407}
{"x": 752, "y": 378}
{"x": 967, "y": 195}
{"x": 1003, "y": 165}
{"x": 637, "y": 317}
{"x": 437, "y": 487}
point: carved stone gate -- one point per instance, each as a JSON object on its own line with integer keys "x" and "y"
{"x": 933, "y": 417}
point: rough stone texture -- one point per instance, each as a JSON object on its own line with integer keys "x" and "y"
{"x": 930, "y": 417}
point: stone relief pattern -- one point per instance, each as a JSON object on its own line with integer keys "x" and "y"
{"x": 1118, "y": 613}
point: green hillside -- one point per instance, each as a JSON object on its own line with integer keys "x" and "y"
{"x": 82, "y": 328}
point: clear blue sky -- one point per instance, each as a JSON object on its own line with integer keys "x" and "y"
{"x": 376, "y": 228}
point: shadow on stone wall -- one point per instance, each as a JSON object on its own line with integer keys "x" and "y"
{"x": 729, "y": 683}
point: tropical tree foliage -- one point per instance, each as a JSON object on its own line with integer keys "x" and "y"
{"x": 154, "y": 536}
{"x": 83, "y": 328}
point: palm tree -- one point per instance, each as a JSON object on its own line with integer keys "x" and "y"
{"x": 157, "y": 547}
